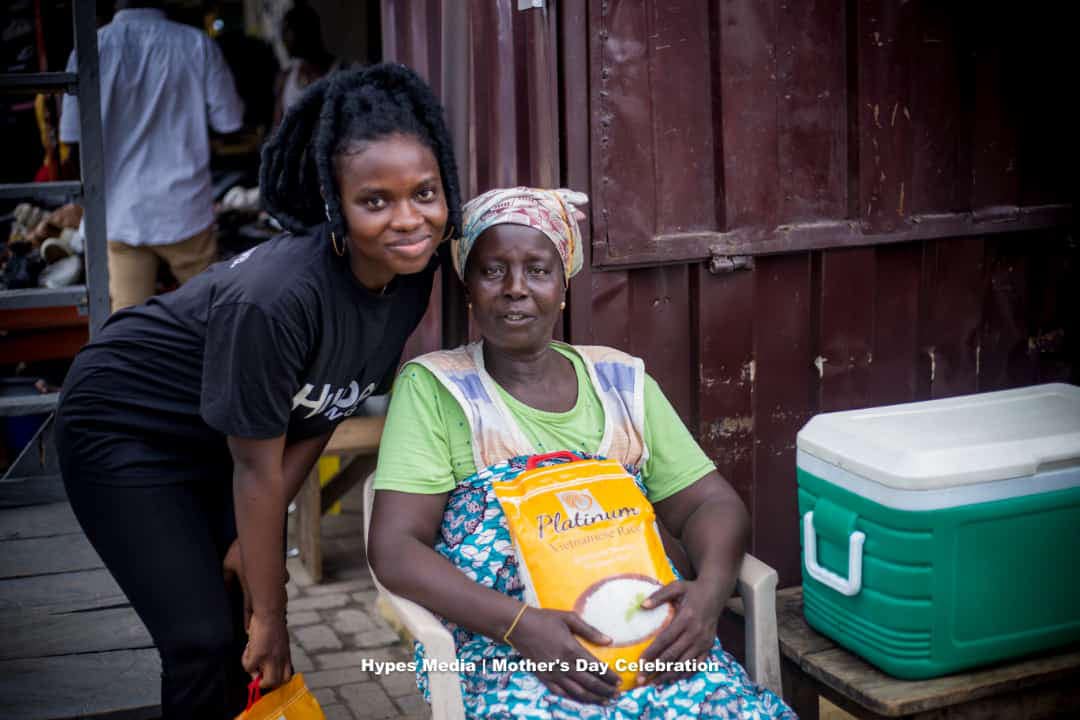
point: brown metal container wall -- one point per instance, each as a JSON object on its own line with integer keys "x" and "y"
{"x": 919, "y": 158}
{"x": 513, "y": 110}
{"x": 411, "y": 35}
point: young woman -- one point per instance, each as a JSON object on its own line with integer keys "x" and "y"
{"x": 462, "y": 420}
{"x": 189, "y": 423}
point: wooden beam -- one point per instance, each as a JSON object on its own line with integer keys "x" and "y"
{"x": 359, "y": 436}
{"x": 122, "y": 684}
{"x": 29, "y": 635}
{"x": 836, "y": 233}
{"x": 47, "y": 555}
{"x": 63, "y": 592}
{"x": 352, "y": 475}
{"x": 38, "y": 521}
{"x": 356, "y": 435}
{"x": 308, "y": 517}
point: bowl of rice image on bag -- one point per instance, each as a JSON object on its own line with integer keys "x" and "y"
{"x": 586, "y": 541}
{"x": 613, "y": 606}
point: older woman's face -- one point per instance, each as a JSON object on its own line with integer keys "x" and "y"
{"x": 514, "y": 280}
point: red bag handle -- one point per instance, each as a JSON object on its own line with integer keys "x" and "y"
{"x": 558, "y": 454}
{"x": 254, "y": 692}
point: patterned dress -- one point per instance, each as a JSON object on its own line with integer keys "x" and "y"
{"x": 474, "y": 537}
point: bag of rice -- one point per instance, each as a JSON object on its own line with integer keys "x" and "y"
{"x": 586, "y": 540}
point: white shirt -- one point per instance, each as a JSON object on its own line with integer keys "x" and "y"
{"x": 162, "y": 84}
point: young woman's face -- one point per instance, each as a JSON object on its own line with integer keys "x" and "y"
{"x": 393, "y": 201}
{"x": 514, "y": 280}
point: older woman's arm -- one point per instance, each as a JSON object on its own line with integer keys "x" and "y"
{"x": 404, "y": 528}
{"x": 710, "y": 520}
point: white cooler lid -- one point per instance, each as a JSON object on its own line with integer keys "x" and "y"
{"x": 955, "y": 441}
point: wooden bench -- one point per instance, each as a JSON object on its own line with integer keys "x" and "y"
{"x": 357, "y": 441}
{"x": 813, "y": 667}
{"x": 72, "y": 647}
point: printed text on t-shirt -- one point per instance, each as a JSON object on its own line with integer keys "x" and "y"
{"x": 341, "y": 402}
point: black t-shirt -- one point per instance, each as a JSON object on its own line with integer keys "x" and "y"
{"x": 279, "y": 340}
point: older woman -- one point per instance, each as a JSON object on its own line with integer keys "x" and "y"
{"x": 462, "y": 419}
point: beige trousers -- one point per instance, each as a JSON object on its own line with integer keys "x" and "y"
{"x": 133, "y": 268}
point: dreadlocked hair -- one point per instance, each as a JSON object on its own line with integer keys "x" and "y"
{"x": 347, "y": 107}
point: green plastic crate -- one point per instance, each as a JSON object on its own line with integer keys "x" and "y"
{"x": 942, "y": 535}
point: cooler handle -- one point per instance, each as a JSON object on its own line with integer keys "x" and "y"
{"x": 845, "y": 586}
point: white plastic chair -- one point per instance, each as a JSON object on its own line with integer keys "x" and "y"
{"x": 756, "y": 584}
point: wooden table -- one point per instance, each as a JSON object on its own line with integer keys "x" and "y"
{"x": 70, "y": 644}
{"x": 358, "y": 439}
{"x": 1044, "y": 686}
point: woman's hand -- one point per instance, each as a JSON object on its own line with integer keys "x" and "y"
{"x": 267, "y": 652}
{"x": 691, "y": 633}
{"x": 548, "y": 636}
{"x": 713, "y": 526}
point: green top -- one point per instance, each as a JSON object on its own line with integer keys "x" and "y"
{"x": 426, "y": 446}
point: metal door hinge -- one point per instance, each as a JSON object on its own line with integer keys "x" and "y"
{"x": 722, "y": 264}
{"x": 530, "y": 4}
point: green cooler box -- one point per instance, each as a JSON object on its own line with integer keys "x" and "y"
{"x": 941, "y": 535}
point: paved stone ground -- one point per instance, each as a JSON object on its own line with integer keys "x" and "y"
{"x": 334, "y": 626}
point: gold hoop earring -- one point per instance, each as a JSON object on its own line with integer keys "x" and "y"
{"x": 333, "y": 241}
{"x": 448, "y": 234}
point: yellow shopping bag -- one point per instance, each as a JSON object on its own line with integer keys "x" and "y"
{"x": 291, "y": 701}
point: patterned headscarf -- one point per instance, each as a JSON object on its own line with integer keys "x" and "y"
{"x": 552, "y": 212}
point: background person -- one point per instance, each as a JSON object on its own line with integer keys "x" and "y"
{"x": 301, "y": 34}
{"x": 163, "y": 87}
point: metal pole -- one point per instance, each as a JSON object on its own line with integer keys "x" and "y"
{"x": 92, "y": 160}
{"x": 456, "y": 69}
